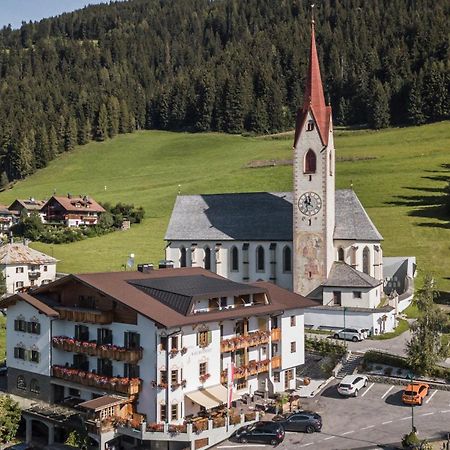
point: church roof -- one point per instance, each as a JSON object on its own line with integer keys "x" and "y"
{"x": 343, "y": 275}
{"x": 258, "y": 216}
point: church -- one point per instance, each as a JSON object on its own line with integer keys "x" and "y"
{"x": 317, "y": 241}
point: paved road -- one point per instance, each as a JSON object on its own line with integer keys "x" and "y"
{"x": 376, "y": 417}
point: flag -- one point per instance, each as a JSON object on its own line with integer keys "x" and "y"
{"x": 230, "y": 384}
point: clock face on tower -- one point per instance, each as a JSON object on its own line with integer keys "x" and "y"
{"x": 309, "y": 203}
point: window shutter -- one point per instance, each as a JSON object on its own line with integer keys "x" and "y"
{"x": 38, "y": 328}
{"x": 29, "y": 326}
{"x": 16, "y": 325}
{"x": 136, "y": 371}
{"x": 99, "y": 335}
{"x": 126, "y": 339}
{"x": 16, "y": 352}
{"x": 138, "y": 340}
{"x": 126, "y": 369}
{"x": 209, "y": 337}
{"x": 198, "y": 339}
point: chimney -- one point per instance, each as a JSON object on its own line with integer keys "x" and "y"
{"x": 165, "y": 264}
{"x": 145, "y": 268}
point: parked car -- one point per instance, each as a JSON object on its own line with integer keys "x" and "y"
{"x": 350, "y": 334}
{"x": 414, "y": 393}
{"x": 306, "y": 421}
{"x": 263, "y": 432}
{"x": 351, "y": 385}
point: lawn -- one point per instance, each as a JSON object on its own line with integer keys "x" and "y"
{"x": 402, "y": 326}
{"x": 399, "y": 175}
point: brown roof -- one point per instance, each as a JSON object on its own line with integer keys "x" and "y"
{"x": 18, "y": 253}
{"x": 33, "y": 301}
{"x": 29, "y": 204}
{"x": 116, "y": 285}
{"x": 76, "y": 204}
{"x": 103, "y": 402}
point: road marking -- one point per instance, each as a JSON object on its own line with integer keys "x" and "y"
{"x": 384, "y": 423}
{"x": 445, "y": 411}
{"x": 241, "y": 446}
{"x": 427, "y": 414}
{"x": 328, "y": 438}
{"x": 348, "y": 432}
{"x": 367, "y": 390}
{"x": 366, "y": 428}
{"x": 431, "y": 396}
{"x": 387, "y": 392}
{"x": 406, "y": 418}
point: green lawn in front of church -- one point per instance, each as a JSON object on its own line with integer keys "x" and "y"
{"x": 399, "y": 175}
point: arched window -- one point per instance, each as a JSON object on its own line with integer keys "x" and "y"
{"x": 310, "y": 162}
{"x": 182, "y": 257}
{"x": 260, "y": 263}
{"x": 207, "y": 259}
{"x": 341, "y": 255}
{"x": 34, "y": 386}
{"x": 287, "y": 259}
{"x": 310, "y": 125}
{"x": 366, "y": 260}
{"x": 21, "y": 383}
{"x": 234, "y": 259}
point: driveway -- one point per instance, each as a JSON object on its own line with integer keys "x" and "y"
{"x": 375, "y": 418}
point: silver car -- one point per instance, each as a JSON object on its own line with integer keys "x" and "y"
{"x": 350, "y": 334}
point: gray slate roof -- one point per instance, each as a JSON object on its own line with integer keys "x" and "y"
{"x": 343, "y": 275}
{"x": 259, "y": 216}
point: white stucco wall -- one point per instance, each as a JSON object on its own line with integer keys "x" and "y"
{"x": 370, "y": 298}
{"x": 12, "y": 277}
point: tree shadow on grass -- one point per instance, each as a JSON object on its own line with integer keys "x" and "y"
{"x": 436, "y": 206}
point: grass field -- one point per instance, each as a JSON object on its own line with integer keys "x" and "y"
{"x": 401, "y": 186}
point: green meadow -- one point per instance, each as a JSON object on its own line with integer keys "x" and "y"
{"x": 398, "y": 174}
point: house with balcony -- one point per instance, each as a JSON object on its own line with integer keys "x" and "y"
{"x": 26, "y": 207}
{"x": 7, "y": 219}
{"x": 144, "y": 356}
{"x": 72, "y": 211}
{"x": 25, "y": 268}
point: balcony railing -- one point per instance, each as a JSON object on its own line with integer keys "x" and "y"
{"x": 276, "y": 334}
{"x": 245, "y": 371}
{"x": 84, "y": 315}
{"x": 99, "y": 350}
{"x": 276, "y": 362}
{"x": 249, "y": 340}
{"x": 129, "y": 386}
{"x": 33, "y": 274}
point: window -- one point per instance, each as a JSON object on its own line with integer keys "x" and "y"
{"x": 223, "y": 302}
{"x": 174, "y": 343}
{"x": 276, "y": 377}
{"x": 293, "y": 321}
{"x": 19, "y": 284}
{"x": 45, "y": 269}
{"x": 174, "y": 411}
{"x": 74, "y": 392}
{"x": 104, "y": 336}
{"x": 163, "y": 376}
{"x": 336, "y": 298}
{"x": 34, "y": 386}
{"x": 207, "y": 259}
{"x": 234, "y": 259}
{"x": 82, "y": 332}
{"x": 241, "y": 384}
{"x": 35, "y": 356}
{"x": 163, "y": 343}
{"x": 204, "y": 338}
{"x": 310, "y": 125}
{"x": 81, "y": 361}
{"x": 293, "y": 347}
{"x": 104, "y": 367}
{"x": 289, "y": 375}
{"x": 19, "y": 269}
{"x": 174, "y": 376}
{"x": 162, "y": 413}
{"x": 21, "y": 383}
{"x": 132, "y": 340}
{"x": 356, "y": 294}
{"x": 366, "y": 260}
{"x": 34, "y": 326}
{"x": 20, "y": 325}
{"x": 182, "y": 257}
{"x": 202, "y": 369}
{"x": 260, "y": 263}
{"x": 130, "y": 370}
{"x": 20, "y": 352}
{"x": 341, "y": 256}
{"x": 310, "y": 162}
{"x": 287, "y": 259}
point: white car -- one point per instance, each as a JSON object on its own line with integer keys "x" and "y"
{"x": 351, "y": 385}
{"x": 350, "y": 334}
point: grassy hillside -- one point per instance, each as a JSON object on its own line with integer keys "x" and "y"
{"x": 399, "y": 175}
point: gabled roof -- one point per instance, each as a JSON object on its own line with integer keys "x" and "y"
{"x": 29, "y": 204}
{"x": 76, "y": 204}
{"x": 352, "y": 222}
{"x": 41, "y": 306}
{"x": 259, "y": 216}
{"x": 22, "y": 254}
{"x": 343, "y": 275}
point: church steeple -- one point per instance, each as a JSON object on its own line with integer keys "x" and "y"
{"x": 314, "y": 99}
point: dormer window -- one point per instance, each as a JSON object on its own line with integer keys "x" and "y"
{"x": 310, "y": 125}
{"x": 310, "y": 162}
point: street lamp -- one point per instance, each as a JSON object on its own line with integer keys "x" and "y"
{"x": 345, "y": 340}
{"x": 410, "y": 377}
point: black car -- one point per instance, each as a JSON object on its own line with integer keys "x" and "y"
{"x": 306, "y": 421}
{"x": 262, "y": 432}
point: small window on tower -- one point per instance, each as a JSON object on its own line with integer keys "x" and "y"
{"x": 310, "y": 125}
{"x": 310, "y": 162}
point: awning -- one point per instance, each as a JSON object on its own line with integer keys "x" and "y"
{"x": 106, "y": 401}
{"x": 202, "y": 398}
{"x": 221, "y": 392}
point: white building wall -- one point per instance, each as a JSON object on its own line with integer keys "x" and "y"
{"x": 14, "y": 273}
{"x": 370, "y": 298}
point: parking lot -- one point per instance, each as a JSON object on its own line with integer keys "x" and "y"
{"x": 376, "y": 417}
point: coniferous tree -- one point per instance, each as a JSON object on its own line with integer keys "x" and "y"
{"x": 415, "y": 105}
{"x": 42, "y": 148}
{"x": 113, "y": 116}
{"x": 379, "y": 106}
{"x": 70, "y": 135}
{"x": 101, "y": 129}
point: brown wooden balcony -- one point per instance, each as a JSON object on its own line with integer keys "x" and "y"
{"x": 275, "y": 334}
{"x": 245, "y": 371}
{"x": 84, "y": 315}
{"x": 245, "y": 341}
{"x": 129, "y": 386}
{"x": 109, "y": 351}
{"x": 276, "y": 362}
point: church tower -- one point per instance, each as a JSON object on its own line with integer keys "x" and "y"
{"x": 314, "y": 213}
